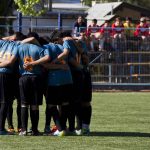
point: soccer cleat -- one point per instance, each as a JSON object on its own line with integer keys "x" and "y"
{"x": 4, "y": 132}
{"x": 35, "y": 133}
{"x": 56, "y": 133}
{"x": 62, "y": 133}
{"x": 54, "y": 128}
{"x": 18, "y": 130}
{"x": 11, "y": 129}
{"x": 30, "y": 130}
{"x": 78, "y": 132}
{"x": 47, "y": 129}
{"x": 85, "y": 131}
{"x": 23, "y": 133}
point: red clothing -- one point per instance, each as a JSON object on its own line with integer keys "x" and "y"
{"x": 142, "y": 31}
{"x": 92, "y": 29}
{"x": 117, "y": 29}
{"x": 105, "y": 30}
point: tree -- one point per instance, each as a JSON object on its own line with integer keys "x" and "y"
{"x": 31, "y": 7}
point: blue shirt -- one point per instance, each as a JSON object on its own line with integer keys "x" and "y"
{"x": 8, "y": 49}
{"x": 69, "y": 44}
{"x": 30, "y": 52}
{"x": 57, "y": 77}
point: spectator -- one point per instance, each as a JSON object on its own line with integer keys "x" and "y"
{"x": 105, "y": 35}
{"x": 129, "y": 27}
{"x": 93, "y": 28}
{"x": 79, "y": 25}
{"x": 118, "y": 28}
{"x": 142, "y": 32}
{"x": 118, "y": 33}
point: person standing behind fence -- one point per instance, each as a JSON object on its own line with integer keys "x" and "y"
{"x": 93, "y": 28}
{"x": 79, "y": 25}
{"x": 129, "y": 27}
{"x": 142, "y": 32}
{"x": 105, "y": 41}
{"x": 118, "y": 29}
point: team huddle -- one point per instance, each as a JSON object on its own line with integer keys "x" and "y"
{"x": 32, "y": 67}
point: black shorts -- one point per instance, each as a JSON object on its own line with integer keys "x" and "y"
{"x": 16, "y": 87}
{"x": 31, "y": 89}
{"x": 56, "y": 95}
{"x": 77, "y": 76}
{"x": 87, "y": 87}
{"x": 6, "y": 88}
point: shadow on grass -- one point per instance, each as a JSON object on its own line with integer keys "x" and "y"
{"x": 120, "y": 134}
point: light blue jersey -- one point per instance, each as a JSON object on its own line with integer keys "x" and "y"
{"x": 58, "y": 77}
{"x": 8, "y": 49}
{"x": 29, "y": 53}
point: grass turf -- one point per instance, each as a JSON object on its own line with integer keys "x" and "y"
{"x": 120, "y": 121}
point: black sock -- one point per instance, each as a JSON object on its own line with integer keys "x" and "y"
{"x": 64, "y": 116}
{"x": 71, "y": 117}
{"x": 24, "y": 118}
{"x": 86, "y": 114}
{"x": 34, "y": 114}
{"x": 48, "y": 116}
{"x": 19, "y": 115}
{"x": 56, "y": 117}
{"x": 78, "y": 114}
{"x": 9, "y": 115}
{"x": 3, "y": 115}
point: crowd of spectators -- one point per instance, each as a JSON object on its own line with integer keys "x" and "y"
{"x": 117, "y": 34}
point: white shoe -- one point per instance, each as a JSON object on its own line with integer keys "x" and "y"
{"x": 78, "y": 132}
{"x": 23, "y": 133}
{"x": 56, "y": 133}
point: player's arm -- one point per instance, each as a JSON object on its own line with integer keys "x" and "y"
{"x": 62, "y": 56}
{"x": 31, "y": 40}
{"x": 6, "y": 63}
{"x": 9, "y": 38}
{"x": 40, "y": 61}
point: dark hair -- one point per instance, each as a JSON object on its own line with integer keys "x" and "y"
{"x": 65, "y": 34}
{"x": 43, "y": 41}
{"x": 94, "y": 20}
{"x": 19, "y": 36}
{"x": 33, "y": 34}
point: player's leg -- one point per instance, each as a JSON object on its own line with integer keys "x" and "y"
{"x": 86, "y": 103}
{"x": 34, "y": 115}
{"x": 6, "y": 96}
{"x": 53, "y": 100}
{"x": 10, "y": 117}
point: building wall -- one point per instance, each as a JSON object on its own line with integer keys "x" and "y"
{"x": 126, "y": 12}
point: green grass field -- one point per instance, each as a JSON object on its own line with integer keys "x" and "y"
{"x": 120, "y": 121}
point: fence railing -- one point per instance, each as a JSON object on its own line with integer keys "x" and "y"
{"x": 114, "y": 60}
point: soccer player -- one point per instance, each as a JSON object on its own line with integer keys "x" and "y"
{"x": 86, "y": 108}
{"x": 70, "y": 50}
{"x": 8, "y": 56}
{"x": 31, "y": 88}
{"x": 59, "y": 89}
{"x": 17, "y": 36}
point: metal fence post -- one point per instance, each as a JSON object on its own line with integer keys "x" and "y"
{"x": 59, "y": 21}
{"x": 19, "y": 26}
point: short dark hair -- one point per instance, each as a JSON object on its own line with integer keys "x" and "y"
{"x": 94, "y": 20}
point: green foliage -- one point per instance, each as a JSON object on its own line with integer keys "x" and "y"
{"x": 31, "y": 7}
